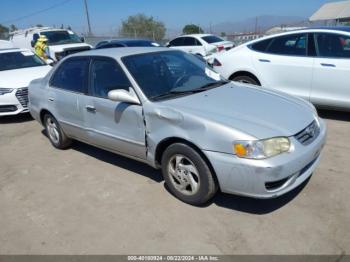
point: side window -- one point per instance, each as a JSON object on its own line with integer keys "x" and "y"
{"x": 197, "y": 43}
{"x": 107, "y": 75}
{"x": 177, "y": 42}
{"x": 333, "y": 45}
{"x": 261, "y": 46}
{"x": 189, "y": 41}
{"x": 72, "y": 75}
{"x": 289, "y": 45}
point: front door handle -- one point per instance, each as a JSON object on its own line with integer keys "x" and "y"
{"x": 51, "y": 99}
{"x": 91, "y": 109}
{"x": 264, "y": 60}
{"x": 327, "y": 65}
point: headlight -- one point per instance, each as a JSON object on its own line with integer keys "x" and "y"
{"x": 4, "y": 91}
{"x": 261, "y": 149}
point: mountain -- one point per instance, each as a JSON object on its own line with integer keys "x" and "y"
{"x": 263, "y": 23}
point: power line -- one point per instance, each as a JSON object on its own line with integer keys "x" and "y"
{"x": 35, "y": 13}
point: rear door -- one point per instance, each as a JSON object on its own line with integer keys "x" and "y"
{"x": 331, "y": 85}
{"x": 68, "y": 88}
{"x": 116, "y": 126}
{"x": 285, "y": 64}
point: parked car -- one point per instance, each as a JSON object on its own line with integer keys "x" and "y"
{"x": 126, "y": 43}
{"x": 168, "y": 109}
{"x": 200, "y": 44}
{"x": 62, "y": 42}
{"x": 313, "y": 64}
{"x": 17, "y": 68}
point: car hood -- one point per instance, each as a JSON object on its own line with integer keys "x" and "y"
{"x": 255, "y": 112}
{"x": 22, "y": 77}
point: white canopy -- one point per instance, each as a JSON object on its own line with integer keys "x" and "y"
{"x": 332, "y": 11}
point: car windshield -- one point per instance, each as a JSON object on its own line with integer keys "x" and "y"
{"x": 18, "y": 60}
{"x": 212, "y": 39}
{"x": 168, "y": 74}
{"x": 61, "y": 37}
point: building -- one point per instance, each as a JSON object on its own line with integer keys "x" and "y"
{"x": 338, "y": 12}
{"x": 240, "y": 38}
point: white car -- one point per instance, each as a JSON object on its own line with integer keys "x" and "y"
{"x": 200, "y": 44}
{"x": 61, "y": 42}
{"x": 313, "y": 64}
{"x": 5, "y": 44}
{"x": 18, "y": 67}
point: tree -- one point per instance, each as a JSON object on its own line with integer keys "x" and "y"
{"x": 39, "y": 25}
{"x": 4, "y": 31}
{"x": 192, "y": 29}
{"x": 223, "y": 34}
{"x": 143, "y": 26}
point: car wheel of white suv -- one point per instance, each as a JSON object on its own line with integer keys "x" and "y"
{"x": 56, "y": 135}
{"x": 187, "y": 174}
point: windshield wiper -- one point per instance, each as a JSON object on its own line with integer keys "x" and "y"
{"x": 201, "y": 89}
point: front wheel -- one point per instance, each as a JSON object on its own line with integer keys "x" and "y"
{"x": 56, "y": 135}
{"x": 187, "y": 174}
{"x": 246, "y": 80}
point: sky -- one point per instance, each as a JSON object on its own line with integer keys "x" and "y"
{"x": 106, "y": 15}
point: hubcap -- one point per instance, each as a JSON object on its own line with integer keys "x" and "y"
{"x": 52, "y": 130}
{"x": 183, "y": 175}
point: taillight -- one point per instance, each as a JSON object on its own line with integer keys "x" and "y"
{"x": 221, "y": 48}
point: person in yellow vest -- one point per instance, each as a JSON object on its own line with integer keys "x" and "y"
{"x": 41, "y": 48}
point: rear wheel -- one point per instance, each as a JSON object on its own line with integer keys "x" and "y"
{"x": 187, "y": 174}
{"x": 246, "y": 80}
{"x": 56, "y": 135}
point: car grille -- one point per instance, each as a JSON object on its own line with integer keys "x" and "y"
{"x": 22, "y": 96}
{"x": 309, "y": 134}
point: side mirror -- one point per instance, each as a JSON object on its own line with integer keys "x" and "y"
{"x": 121, "y": 95}
{"x": 82, "y": 39}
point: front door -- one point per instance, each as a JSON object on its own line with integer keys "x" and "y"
{"x": 331, "y": 85}
{"x": 116, "y": 126}
{"x": 286, "y": 66}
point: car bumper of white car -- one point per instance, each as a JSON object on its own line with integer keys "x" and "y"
{"x": 272, "y": 177}
{"x": 14, "y": 103}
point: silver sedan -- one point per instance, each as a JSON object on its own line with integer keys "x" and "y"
{"x": 168, "y": 109}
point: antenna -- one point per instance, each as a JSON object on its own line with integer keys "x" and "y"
{"x": 88, "y": 18}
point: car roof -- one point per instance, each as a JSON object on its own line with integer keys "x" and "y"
{"x": 345, "y": 29}
{"x": 196, "y": 35}
{"x": 118, "y": 53}
{"x": 126, "y": 40}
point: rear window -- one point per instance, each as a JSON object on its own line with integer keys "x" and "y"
{"x": 18, "y": 60}
{"x": 212, "y": 39}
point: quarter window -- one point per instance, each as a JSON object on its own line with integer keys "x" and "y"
{"x": 289, "y": 45}
{"x": 107, "y": 75}
{"x": 333, "y": 45}
{"x": 72, "y": 75}
{"x": 177, "y": 42}
{"x": 261, "y": 46}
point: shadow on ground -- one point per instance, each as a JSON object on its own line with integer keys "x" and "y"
{"x": 22, "y": 118}
{"x": 334, "y": 115}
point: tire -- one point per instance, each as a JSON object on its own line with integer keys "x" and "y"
{"x": 55, "y": 133}
{"x": 187, "y": 175}
{"x": 246, "y": 80}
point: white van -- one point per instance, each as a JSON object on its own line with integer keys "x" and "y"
{"x": 5, "y": 44}
{"x": 62, "y": 42}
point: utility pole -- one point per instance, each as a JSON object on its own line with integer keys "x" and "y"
{"x": 256, "y": 25}
{"x": 88, "y": 18}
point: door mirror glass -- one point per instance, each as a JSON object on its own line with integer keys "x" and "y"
{"x": 120, "y": 95}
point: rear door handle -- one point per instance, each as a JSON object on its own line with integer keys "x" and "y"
{"x": 91, "y": 109}
{"x": 327, "y": 65}
{"x": 264, "y": 60}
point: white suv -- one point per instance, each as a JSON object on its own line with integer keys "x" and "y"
{"x": 18, "y": 67}
{"x": 313, "y": 64}
{"x": 200, "y": 44}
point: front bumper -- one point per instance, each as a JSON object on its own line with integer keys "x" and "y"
{"x": 14, "y": 103}
{"x": 272, "y": 177}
